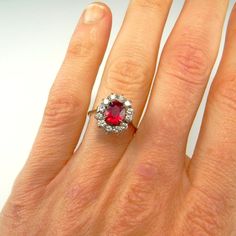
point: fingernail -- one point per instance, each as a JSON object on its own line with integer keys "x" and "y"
{"x": 93, "y": 13}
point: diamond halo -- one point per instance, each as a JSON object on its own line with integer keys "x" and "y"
{"x": 114, "y": 114}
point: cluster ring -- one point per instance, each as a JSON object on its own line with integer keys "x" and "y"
{"x": 114, "y": 114}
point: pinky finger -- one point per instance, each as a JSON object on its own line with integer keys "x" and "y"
{"x": 214, "y": 162}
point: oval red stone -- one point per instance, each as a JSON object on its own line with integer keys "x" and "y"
{"x": 115, "y": 113}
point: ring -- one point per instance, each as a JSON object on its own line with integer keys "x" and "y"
{"x": 114, "y": 114}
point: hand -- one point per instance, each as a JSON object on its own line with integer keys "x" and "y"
{"x": 136, "y": 183}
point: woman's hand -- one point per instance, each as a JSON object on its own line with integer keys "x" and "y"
{"x": 140, "y": 184}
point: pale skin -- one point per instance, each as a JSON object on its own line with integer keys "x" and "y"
{"x": 143, "y": 183}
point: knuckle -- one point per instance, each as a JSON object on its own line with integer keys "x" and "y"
{"x": 133, "y": 199}
{"x": 14, "y": 214}
{"x": 79, "y": 196}
{"x": 80, "y": 48}
{"x": 20, "y": 206}
{"x": 127, "y": 73}
{"x": 72, "y": 226}
{"x": 224, "y": 91}
{"x": 61, "y": 110}
{"x": 205, "y": 213}
{"x": 165, "y": 138}
{"x": 135, "y": 206}
{"x": 147, "y": 172}
{"x": 188, "y": 62}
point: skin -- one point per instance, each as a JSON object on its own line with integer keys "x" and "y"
{"x": 140, "y": 184}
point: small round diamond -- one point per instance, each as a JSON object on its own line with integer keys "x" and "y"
{"x": 115, "y": 130}
{"x": 108, "y": 128}
{"x": 127, "y": 103}
{"x": 101, "y": 108}
{"x": 124, "y": 125}
{"x": 106, "y": 101}
{"x": 112, "y": 96}
{"x": 99, "y": 116}
{"x": 130, "y": 111}
{"x": 128, "y": 118}
{"x": 121, "y": 98}
{"x": 101, "y": 123}
{"x": 119, "y": 128}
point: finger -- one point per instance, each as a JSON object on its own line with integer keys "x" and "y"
{"x": 129, "y": 71}
{"x": 214, "y": 160}
{"x": 69, "y": 97}
{"x": 185, "y": 66}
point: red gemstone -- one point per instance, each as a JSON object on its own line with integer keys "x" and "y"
{"x": 115, "y": 113}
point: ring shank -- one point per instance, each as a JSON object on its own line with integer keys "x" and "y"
{"x": 91, "y": 112}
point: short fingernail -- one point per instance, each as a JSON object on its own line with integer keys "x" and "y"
{"x": 94, "y": 13}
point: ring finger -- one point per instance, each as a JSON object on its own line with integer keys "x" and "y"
{"x": 129, "y": 71}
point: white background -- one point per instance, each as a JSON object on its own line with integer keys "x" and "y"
{"x": 33, "y": 39}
